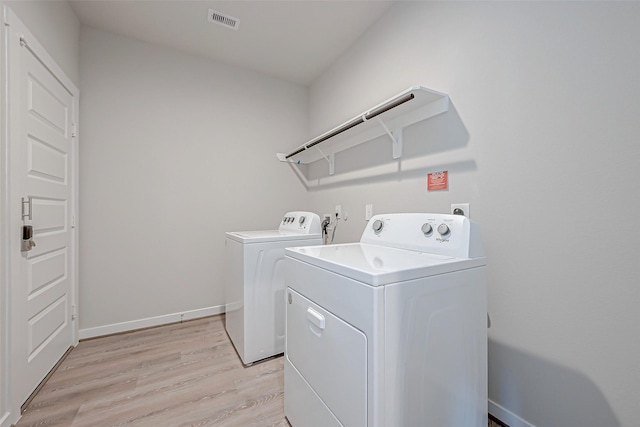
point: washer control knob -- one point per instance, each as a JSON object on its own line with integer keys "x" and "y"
{"x": 427, "y": 228}
{"x": 377, "y": 225}
{"x": 301, "y": 220}
{"x": 443, "y": 229}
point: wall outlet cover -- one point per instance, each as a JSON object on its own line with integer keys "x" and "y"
{"x": 368, "y": 212}
{"x": 464, "y": 207}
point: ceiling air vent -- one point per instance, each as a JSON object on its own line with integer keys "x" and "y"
{"x": 222, "y": 19}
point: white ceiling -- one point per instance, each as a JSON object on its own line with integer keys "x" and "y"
{"x": 293, "y": 40}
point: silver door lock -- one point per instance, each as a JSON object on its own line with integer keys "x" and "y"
{"x": 27, "y": 238}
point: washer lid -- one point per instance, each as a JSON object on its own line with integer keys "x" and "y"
{"x": 380, "y": 265}
{"x": 268, "y": 236}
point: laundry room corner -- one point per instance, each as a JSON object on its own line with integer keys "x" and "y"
{"x": 320, "y": 213}
{"x": 177, "y": 150}
{"x": 528, "y": 141}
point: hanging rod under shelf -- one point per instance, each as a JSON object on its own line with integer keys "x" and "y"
{"x": 411, "y": 106}
{"x": 366, "y": 116}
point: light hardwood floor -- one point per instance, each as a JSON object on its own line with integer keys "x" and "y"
{"x": 185, "y": 374}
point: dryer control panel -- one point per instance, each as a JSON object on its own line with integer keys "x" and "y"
{"x": 300, "y": 222}
{"x": 443, "y": 234}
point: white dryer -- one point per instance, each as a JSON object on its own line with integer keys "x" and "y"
{"x": 254, "y": 284}
{"x": 391, "y": 331}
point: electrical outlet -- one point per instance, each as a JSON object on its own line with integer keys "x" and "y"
{"x": 368, "y": 212}
{"x": 327, "y": 217}
{"x": 461, "y": 209}
{"x": 338, "y": 211}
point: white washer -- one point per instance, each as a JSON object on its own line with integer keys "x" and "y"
{"x": 254, "y": 284}
{"x": 391, "y": 331}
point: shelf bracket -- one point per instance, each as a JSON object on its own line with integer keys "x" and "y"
{"x": 396, "y": 139}
{"x": 331, "y": 160}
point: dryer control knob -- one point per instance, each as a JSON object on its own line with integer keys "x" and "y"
{"x": 427, "y": 228}
{"x": 377, "y": 225}
{"x": 443, "y": 229}
{"x": 301, "y": 221}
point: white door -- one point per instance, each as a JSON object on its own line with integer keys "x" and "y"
{"x": 42, "y": 112}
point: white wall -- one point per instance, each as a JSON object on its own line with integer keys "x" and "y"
{"x": 542, "y": 140}
{"x": 57, "y": 29}
{"x": 176, "y": 150}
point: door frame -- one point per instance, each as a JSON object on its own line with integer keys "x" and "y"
{"x": 5, "y": 406}
{"x": 9, "y": 404}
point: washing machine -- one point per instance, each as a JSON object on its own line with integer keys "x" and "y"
{"x": 254, "y": 283}
{"x": 390, "y": 331}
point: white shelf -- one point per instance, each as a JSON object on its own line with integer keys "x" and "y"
{"x": 389, "y": 117}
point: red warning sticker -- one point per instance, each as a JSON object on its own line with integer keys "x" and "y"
{"x": 438, "y": 181}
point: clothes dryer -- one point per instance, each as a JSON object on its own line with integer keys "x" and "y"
{"x": 390, "y": 331}
{"x": 254, "y": 284}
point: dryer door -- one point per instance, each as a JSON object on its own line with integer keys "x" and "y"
{"x": 330, "y": 355}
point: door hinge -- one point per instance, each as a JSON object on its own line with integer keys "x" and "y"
{"x": 73, "y": 312}
{"x": 74, "y": 130}
{"x": 73, "y": 221}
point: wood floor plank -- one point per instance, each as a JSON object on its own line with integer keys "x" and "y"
{"x": 185, "y": 374}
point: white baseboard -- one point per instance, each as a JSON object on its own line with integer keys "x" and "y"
{"x": 7, "y": 420}
{"x": 150, "y": 321}
{"x": 4, "y": 421}
{"x": 506, "y": 416}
